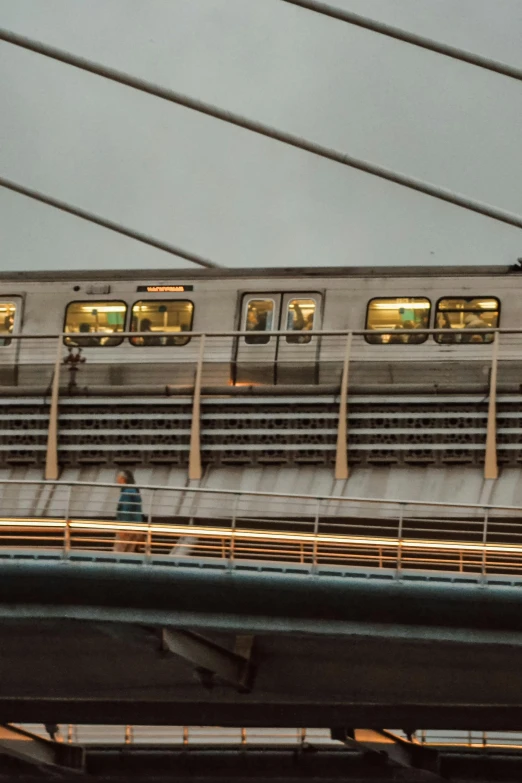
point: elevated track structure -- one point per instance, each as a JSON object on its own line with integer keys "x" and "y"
{"x": 335, "y": 407}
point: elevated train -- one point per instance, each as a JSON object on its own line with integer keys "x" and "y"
{"x": 394, "y": 306}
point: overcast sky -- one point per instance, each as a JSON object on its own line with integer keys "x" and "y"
{"x": 232, "y": 196}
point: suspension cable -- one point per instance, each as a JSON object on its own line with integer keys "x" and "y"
{"x": 260, "y": 128}
{"x": 110, "y": 224}
{"x": 407, "y": 37}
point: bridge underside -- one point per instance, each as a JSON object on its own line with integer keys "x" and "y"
{"x": 101, "y": 643}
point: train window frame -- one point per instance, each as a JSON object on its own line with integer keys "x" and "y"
{"x": 5, "y": 337}
{"x": 423, "y": 337}
{"x": 253, "y": 336}
{"x": 302, "y": 336}
{"x": 114, "y": 341}
{"x": 437, "y": 338}
{"x": 159, "y": 301}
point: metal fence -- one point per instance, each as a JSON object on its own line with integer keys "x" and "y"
{"x": 176, "y": 523}
{"x": 194, "y": 736}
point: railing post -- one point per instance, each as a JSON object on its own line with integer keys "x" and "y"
{"x": 484, "y": 542}
{"x": 51, "y": 458}
{"x": 490, "y": 463}
{"x": 195, "y": 427}
{"x": 341, "y": 454}
{"x": 399, "y": 539}
{"x": 148, "y": 541}
{"x": 316, "y": 533}
{"x": 67, "y": 529}
{"x": 233, "y": 528}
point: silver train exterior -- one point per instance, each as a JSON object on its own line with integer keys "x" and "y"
{"x": 220, "y": 300}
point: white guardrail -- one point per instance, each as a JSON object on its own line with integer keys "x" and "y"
{"x": 260, "y": 527}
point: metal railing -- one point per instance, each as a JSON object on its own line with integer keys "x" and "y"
{"x": 226, "y": 361}
{"x": 194, "y": 736}
{"x": 235, "y": 527}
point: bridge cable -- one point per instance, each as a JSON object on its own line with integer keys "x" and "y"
{"x": 110, "y": 224}
{"x": 407, "y": 37}
{"x": 260, "y": 128}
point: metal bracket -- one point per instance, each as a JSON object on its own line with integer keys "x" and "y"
{"x": 211, "y": 659}
{"x": 40, "y": 752}
{"x": 409, "y": 756}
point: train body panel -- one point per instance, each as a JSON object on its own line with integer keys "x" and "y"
{"x": 330, "y": 300}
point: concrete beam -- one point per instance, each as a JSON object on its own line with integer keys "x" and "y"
{"x": 35, "y": 750}
{"x": 233, "y": 667}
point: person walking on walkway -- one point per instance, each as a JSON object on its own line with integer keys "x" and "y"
{"x": 129, "y": 510}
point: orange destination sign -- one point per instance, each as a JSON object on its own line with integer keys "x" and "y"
{"x": 165, "y": 289}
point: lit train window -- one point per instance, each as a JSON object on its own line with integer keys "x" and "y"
{"x": 259, "y": 318}
{"x": 7, "y": 320}
{"x": 170, "y": 316}
{"x": 300, "y": 318}
{"x": 88, "y": 317}
{"x": 465, "y": 315}
{"x": 388, "y": 317}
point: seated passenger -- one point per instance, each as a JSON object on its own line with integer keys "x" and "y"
{"x": 412, "y": 338}
{"x": 146, "y": 326}
{"x": 170, "y": 340}
{"x": 256, "y": 322}
{"x": 443, "y": 322}
{"x": 474, "y": 321}
{"x": 84, "y": 342}
{"x": 7, "y": 329}
{"x": 110, "y": 341}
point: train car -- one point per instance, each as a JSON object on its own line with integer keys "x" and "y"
{"x": 392, "y": 304}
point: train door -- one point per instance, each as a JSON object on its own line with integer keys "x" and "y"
{"x": 256, "y": 352}
{"x": 297, "y": 354}
{"x": 264, "y": 358}
{"x": 10, "y": 323}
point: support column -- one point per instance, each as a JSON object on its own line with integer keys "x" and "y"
{"x": 51, "y": 459}
{"x": 195, "y": 471}
{"x": 341, "y": 455}
{"x": 490, "y": 462}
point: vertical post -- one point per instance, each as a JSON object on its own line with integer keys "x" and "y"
{"x": 484, "y": 542}
{"x": 399, "y": 540}
{"x": 195, "y": 427}
{"x": 490, "y": 463}
{"x": 316, "y": 533}
{"x": 341, "y": 454}
{"x": 67, "y": 529}
{"x": 51, "y": 459}
{"x": 148, "y": 542}
{"x": 233, "y": 529}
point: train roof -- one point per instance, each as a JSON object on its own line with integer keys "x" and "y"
{"x": 285, "y": 272}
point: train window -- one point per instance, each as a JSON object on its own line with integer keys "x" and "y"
{"x": 389, "y": 316}
{"x": 7, "y": 320}
{"x": 465, "y": 315}
{"x": 88, "y": 317}
{"x": 300, "y": 318}
{"x": 259, "y": 317}
{"x": 170, "y": 316}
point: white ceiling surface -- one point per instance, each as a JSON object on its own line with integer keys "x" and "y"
{"x": 447, "y": 485}
{"x": 240, "y": 199}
